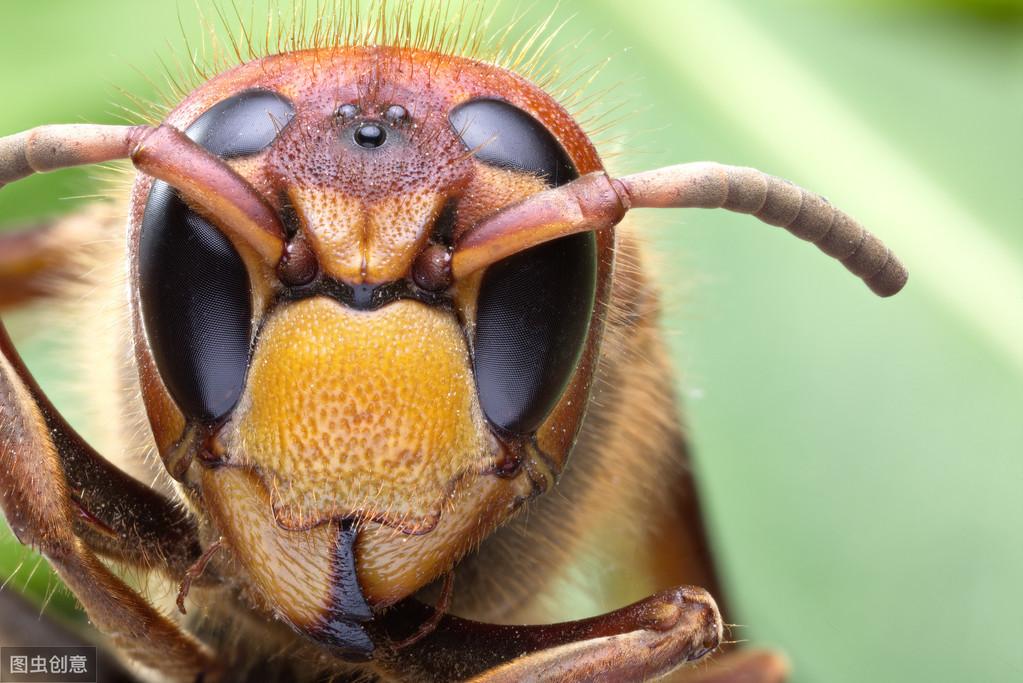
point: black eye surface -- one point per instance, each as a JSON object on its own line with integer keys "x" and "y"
{"x": 370, "y": 136}
{"x": 533, "y": 314}
{"x": 243, "y": 124}
{"x": 534, "y": 308}
{"x": 503, "y": 135}
{"x": 196, "y": 306}
{"x": 194, "y": 289}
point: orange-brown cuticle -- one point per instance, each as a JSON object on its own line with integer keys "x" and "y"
{"x": 432, "y": 268}
{"x": 510, "y": 464}
{"x": 212, "y": 451}
{"x": 386, "y": 427}
{"x": 298, "y": 266}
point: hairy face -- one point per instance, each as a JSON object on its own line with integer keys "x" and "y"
{"x": 342, "y": 412}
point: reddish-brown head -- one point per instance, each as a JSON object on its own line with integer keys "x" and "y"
{"x": 349, "y": 400}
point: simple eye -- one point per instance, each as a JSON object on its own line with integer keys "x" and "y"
{"x": 503, "y": 135}
{"x": 534, "y": 308}
{"x": 195, "y": 291}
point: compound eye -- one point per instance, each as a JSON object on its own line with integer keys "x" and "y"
{"x": 196, "y": 306}
{"x": 194, "y": 289}
{"x": 534, "y": 308}
{"x": 533, "y": 315}
{"x": 243, "y": 124}
{"x": 503, "y": 135}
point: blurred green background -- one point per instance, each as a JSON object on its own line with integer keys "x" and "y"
{"x": 861, "y": 458}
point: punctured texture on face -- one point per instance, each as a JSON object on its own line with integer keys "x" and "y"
{"x": 389, "y": 415}
{"x": 374, "y": 414}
